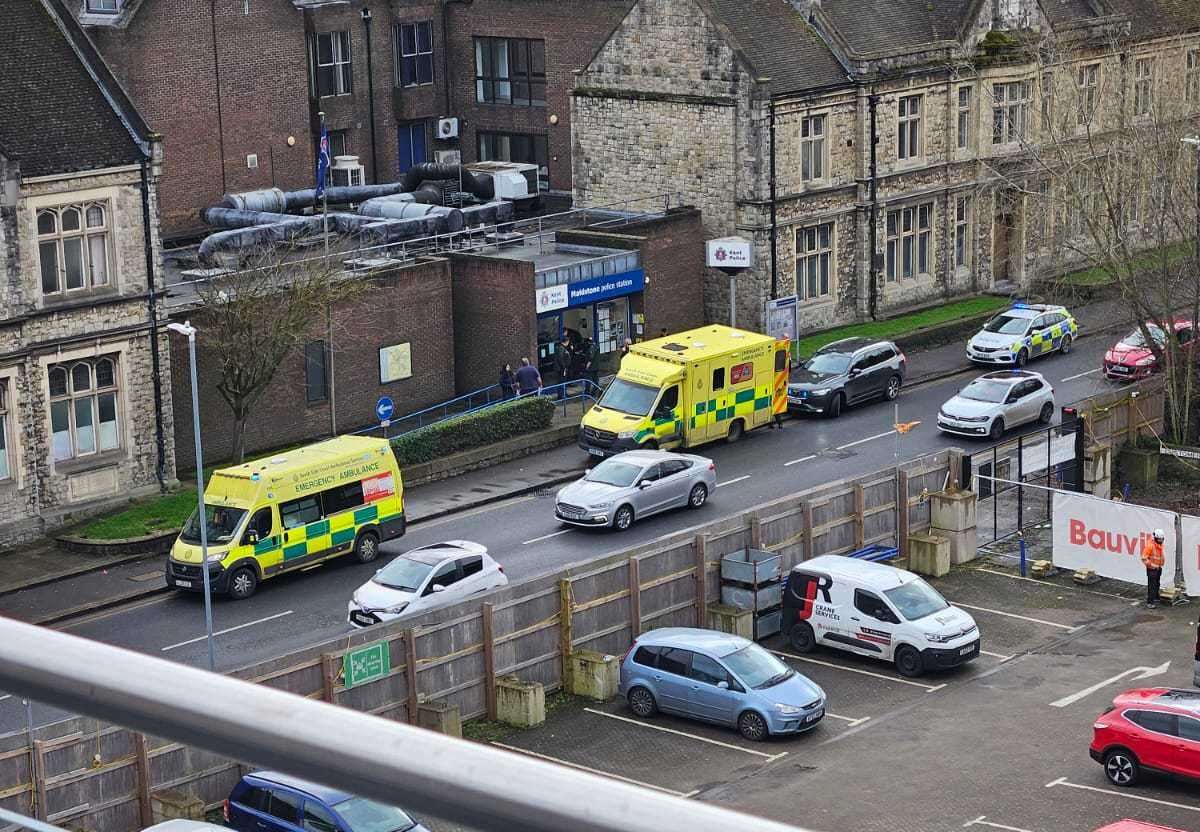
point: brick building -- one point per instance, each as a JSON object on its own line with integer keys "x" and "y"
{"x": 81, "y": 345}
{"x": 235, "y": 86}
{"x": 762, "y": 113}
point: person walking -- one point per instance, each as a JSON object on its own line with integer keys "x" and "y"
{"x": 529, "y": 380}
{"x": 508, "y": 382}
{"x": 1152, "y": 559}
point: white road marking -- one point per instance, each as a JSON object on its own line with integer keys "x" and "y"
{"x": 1062, "y": 781}
{"x": 665, "y": 730}
{"x": 546, "y": 537}
{"x": 6, "y": 696}
{"x": 999, "y": 656}
{"x": 801, "y": 459}
{"x": 1135, "y": 672}
{"x": 732, "y": 481}
{"x": 862, "y": 441}
{"x": 1081, "y": 375}
{"x": 228, "y": 630}
{"x": 979, "y": 821}
{"x": 1066, "y": 627}
{"x": 926, "y": 688}
{"x": 608, "y": 774}
{"x": 848, "y": 719}
{"x": 1051, "y": 583}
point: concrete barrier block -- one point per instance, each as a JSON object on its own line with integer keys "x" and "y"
{"x": 727, "y": 619}
{"x": 594, "y": 675}
{"x": 440, "y": 716}
{"x": 952, "y": 511}
{"x": 1042, "y": 568}
{"x": 1097, "y": 471}
{"x": 964, "y": 545}
{"x": 929, "y": 554}
{"x": 171, "y": 805}
{"x": 519, "y": 703}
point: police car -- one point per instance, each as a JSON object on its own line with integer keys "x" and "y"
{"x": 1023, "y": 332}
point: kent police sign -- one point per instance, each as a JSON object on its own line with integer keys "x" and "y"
{"x": 592, "y": 290}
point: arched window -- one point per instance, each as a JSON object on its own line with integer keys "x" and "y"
{"x": 83, "y": 408}
{"x": 73, "y": 247}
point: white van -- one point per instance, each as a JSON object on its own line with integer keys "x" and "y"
{"x": 875, "y": 610}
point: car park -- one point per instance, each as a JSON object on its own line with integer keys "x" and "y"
{"x": 846, "y": 373}
{"x": 1133, "y": 358}
{"x": 424, "y": 578}
{"x": 1148, "y": 730}
{"x": 720, "y": 678}
{"x": 633, "y": 485}
{"x": 875, "y": 610}
{"x": 268, "y": 801}
{"x": 1022, "y": 332}
{"x": 995, "y": 402}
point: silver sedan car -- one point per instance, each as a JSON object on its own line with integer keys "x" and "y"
{"x": 633, "y": 485}
{"x": 995, "y": 402}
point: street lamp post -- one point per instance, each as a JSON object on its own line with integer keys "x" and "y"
{"x": 187, "y": 329}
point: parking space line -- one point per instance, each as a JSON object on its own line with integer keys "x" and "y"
{"x": 1052, "y": 584}
{"x": 801, "y": 459}
{"x": 1081, "y": 375}
{"x": 1062, "y": 781}
{"x": 1066, "y": 627}
{"x": 851, "y": 720}
{"x": 227, "y": 630}
{"x": 545, "y": 537}
{"x": 666, "y": 730}
{"x": 597, "y": 771}
{"x": 732, "y": 481}
{"x": 979, "y": 821}
{"x": 864, "y": 441}
{"x": 926, "y": 688}
{"x": 999, "y": 656}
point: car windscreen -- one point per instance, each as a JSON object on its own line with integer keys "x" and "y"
{"x": 362, "y": 815}
{"x": 403, "y": 574}
{"x": 828, "y": 363}
{"x": 916, "y": 599}
{"x": 614, "y": 472}
{"x": 756, "y": 667}
{"x": 627, "y": 397}
{"x": 986, "y": 390}
{"x": 1007, "y": 325}
{"x": 221, "y": 523}
{"x": 1135, "y": 339}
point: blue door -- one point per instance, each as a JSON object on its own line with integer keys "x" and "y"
{"x": 708, "y": 700}
{"x": 671, "y": 683}
{"x": 412, "y": 145}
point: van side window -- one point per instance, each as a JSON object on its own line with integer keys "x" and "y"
{"x": 300, "y": 512}
{"x": 285, "y": 806}
{"x": 256, "y": 798}
{"x": 261, "y": 524}
{"x": 342, "y": 497}
{"x": 646, "y": 656}
{"x": 718, "y": 379}
{"x": 669, "y": 401}
{"x": 872, "y": 605}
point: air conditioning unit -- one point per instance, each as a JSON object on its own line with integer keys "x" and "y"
{"x": 515, "y": 181}
{"x": 448, "y": 157}
{"x": 347, "y": 171}
{"x": 447, "y": 128}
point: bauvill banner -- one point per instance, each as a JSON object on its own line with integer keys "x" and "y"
{"x": 1107, "y": 536}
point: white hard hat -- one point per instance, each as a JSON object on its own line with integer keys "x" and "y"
{"x": 1159, "y": 534}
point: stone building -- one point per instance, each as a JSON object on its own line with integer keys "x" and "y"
{"x": 762, "y": 112}
{"x": 81, "y": 349}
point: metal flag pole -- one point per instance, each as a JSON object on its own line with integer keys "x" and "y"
{"x": 324, "y": 149}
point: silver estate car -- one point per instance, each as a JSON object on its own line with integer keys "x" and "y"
{"x": 995, "y": 402}
{"x": 633, "y": 485}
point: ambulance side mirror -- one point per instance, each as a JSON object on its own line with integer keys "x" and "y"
{"x": 251, "y": 536}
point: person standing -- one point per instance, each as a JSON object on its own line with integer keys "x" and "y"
{"x": 508, "y": 382}
{"x": 529, "y": 380}
{"x": 562, "y": 360}
{"x": 1152, "y": 559}
{"x": 592, "y": 356}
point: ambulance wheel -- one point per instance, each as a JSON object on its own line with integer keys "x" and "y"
{"x": 1121, "y": 767}
{"x": 835, "y": 406}
{"x": 802, "y": 638}
{"x": 1022, "y": 357}
{"x": 1047, "y": 414}
{"x": 735, "y": 431}
{"x": 1065, "y": 347}
{"x": 623, "y": 519}
{"x": 752, "y": 726}
{"x": 641, "y": 702}
{"x": 698, "y": 495}
{"x": 366, "y": 548}
{"x": 651, "y": 445}
{"x": 242, "y": 583}
{"x": 908, "y": 661}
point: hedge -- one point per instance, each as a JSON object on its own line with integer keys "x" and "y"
{"x": 493, "y": 424}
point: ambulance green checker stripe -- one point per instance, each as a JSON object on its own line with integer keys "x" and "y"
{"x": 313, "y": 533}
{"x": 745, "y": 402}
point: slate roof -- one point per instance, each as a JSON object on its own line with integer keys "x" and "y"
{"x": 54, "y": 116}
{"x": 870, "y": 26}
{"x": 1157, "y": 17}
{"x": 778, "y": 42}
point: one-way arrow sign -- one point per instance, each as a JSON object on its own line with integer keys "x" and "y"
{"x": 1134, "y": 672}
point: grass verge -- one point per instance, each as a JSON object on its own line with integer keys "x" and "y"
{"x": 165, "y": 513}
{"x": 1096, "y": 276}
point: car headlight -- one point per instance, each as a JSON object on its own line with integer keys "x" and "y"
{"x": 601, "y": 507}
{"x": 788, "y": 710}
{"x": 937, "y": 639}
{"x": 396, "y": 610}
{"x": 627, "y": 434}
{"x": 824, "y": 391}
{"x": 1146, "y": 362}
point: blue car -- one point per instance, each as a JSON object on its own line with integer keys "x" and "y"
{"x": 721, "y": 678}
{"x": 268, "y": 800}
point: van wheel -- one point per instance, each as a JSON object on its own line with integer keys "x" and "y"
{"x": 242, "y": 583}
{"x": 908, "y": 661}
{"x": 366, "y": 548}
{"x": 641, "y": 702}
{"x": 735, "y": 431}
{"x": 1121, "y": 767}
{"x": 623, "y": 519}
{"x": 752, "y": 726}
{"x": 802, "y": 638}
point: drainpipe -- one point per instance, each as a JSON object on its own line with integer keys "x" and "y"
{"x": 873, "y": 103}
{"x": 366, "y": 19}
{"x": 774, "y": 219}
{"x": 152, "y": 310}
{"x": 212, "y": 11}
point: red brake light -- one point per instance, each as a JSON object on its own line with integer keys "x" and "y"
{"x": 712, "y": 466}
{"x": 225, "y": 810}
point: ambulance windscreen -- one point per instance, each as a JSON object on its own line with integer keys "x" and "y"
{"x": 627, "y": 397}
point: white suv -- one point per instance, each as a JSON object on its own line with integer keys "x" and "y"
{"x": 995, "y": 402}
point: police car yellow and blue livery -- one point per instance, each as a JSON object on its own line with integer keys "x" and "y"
{"x": 1022, "y": 332}
{"x": 290, "y": 511}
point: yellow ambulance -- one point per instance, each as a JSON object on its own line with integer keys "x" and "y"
{"x": 291, "y": 511}
{"x": 683, "y": 390}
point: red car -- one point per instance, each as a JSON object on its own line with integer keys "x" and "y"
{"x": 1132, "y": 358}
{"x": 1149, "y": 729}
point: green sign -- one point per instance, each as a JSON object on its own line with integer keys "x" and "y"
{"x": 366, "y": 664}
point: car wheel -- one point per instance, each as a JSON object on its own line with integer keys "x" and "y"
{"x": 997, "y": 430}
{"x": 1121, "y": 767}
{"x": 752, "y": 726}
{"x": 908, "y": 661}
{"x": 893, "y": 388}
{"x": 835, "y": 406}
{"x": 802, "y": 638}
{"x": 735, "y": 431}
{"x": 698, "y": 495}
{"x": 242, "y": 583}
{"x": 650, "y": 445}
{"x": 1047, "y": 414}
{"x": 1022, "y": 357}
{"x": 366, "y": 548}
{"x": 623, "y": 519}
{"x": 641, "y": 702}
{"x": 1065, "y": 346}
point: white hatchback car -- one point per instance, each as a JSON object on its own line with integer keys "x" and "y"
{"x": 995, "y": 402}
{"x": 424, "y": 578}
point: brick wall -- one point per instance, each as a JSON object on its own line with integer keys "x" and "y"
{"x": 493, "y": 316}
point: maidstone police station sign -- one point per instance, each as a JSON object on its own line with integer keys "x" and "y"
{"x": 592, "y": 290}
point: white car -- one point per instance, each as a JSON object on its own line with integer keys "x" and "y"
{"x": 424, "y": 578}
{"x": 995, "y": 402}
{"x": 1022, "y": 332}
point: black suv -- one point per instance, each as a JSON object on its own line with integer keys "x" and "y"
{"x": 846, "y": 372}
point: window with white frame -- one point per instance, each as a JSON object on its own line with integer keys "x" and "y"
{"x": 1010, "y": 102}
{"x": 814, "y": 261}
{"x": 83, "y": 408}
{"x": 962, "y": 231}
{"x": 103, "y": 6}
{"x": 329, "y": 56}
{"x": 74, "y": 243}
{"x": 964, "y": 118}
{"x": 1192, "y": 76}
{"x": 6, "y": 466}
{"x": 908, "y": 138}
{"x": 909, "y": 237}
{"x": 1143, "y": 86}
{"x": 414, "y": 54}
{"x": 812, "y": 148}
{"x": 1089, "y": 85}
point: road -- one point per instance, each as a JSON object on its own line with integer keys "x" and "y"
{"x": 523, "y": 535}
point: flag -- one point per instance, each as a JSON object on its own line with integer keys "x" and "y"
{"x": 322, "y": 161}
